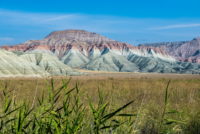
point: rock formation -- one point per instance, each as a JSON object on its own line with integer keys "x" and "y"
{"x": 153, "y": 65}
{"x": 79, "y": 35}
{"x": 185, "y": 51}
{"x": 110, "y": 61}
{"x": 49, "y": 63}
{"x": 13, "y": 66}
{"x": 63, "y": 44}
{"x": 82, "y": 49}
{"x": 74, "y": 58}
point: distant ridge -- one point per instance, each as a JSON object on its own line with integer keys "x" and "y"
{"x": 185, "y": 51}
{"x": 166, "y": 46}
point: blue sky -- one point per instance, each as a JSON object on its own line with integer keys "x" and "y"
{"x": 130, "y": 21}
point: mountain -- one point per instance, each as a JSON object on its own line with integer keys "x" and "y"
{"x": 166, "y": 46}
{"x": 184, "y": 51}
{"x": 153, "y": 65}
{"x": 74, "y": 58}
{"x": 86, "y": 45}
{"x": 94, "y": 53}
{"x": 189, "y": 52}
{"x": 91, "y": 51}
{"x": 13, "y": 66}
{"x": 110, "y": 61}
{"x": 49, "y": 63}
{"x": 78, "y": 35}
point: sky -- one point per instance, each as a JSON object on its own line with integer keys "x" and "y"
{"x": 130, "y": 21}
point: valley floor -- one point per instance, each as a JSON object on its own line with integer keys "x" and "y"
{"x": 119, "y": 75}
{"x": 122, "y": 75}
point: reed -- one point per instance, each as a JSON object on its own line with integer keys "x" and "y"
{"x": 101, "y": 107}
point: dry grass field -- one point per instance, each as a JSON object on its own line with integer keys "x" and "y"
{"x": 148, "y": 91}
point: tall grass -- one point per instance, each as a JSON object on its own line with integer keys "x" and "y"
{"x": 70, "y": 110}
{"x": 51, "y": 117}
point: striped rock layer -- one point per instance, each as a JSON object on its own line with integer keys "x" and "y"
{"x": 184, "y": 51}
{"x": 82, "y": 49}
{"x": 89, "y": 45}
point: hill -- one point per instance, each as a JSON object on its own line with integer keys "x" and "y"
{"x": 184, "y": 51}
{"x": 13, "y": 66}
{"x": 109, "y": 61}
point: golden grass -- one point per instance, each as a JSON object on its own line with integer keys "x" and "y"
{"x": 148, "y": 93}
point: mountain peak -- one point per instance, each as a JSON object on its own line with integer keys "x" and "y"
{"x": 69, "y": 31}
{"x": 197, "y": 38}
{"x": 80, "y": 35}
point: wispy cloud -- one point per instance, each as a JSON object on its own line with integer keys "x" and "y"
{"x": 57, "y": 18}
{"x": 23, "y": 26}
{"x": 93, "y": 23}
{"x": 175, "y": 26}
{"x": 60, "y": 21}
{"x": 6, "y": 39}
{"x": 21, "y": 18}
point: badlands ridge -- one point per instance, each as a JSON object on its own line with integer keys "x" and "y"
{"x": 185, "y": 51}
{"x": 61, "y": 51}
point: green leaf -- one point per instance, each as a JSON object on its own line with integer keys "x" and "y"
{"x": 127, "y": 114}
{"x": 7, "y": 106}
{"x": 11, "y": 112}
{"x": 166, "y": 104}
{"x": 43, "y": 96}
{"x": 174, "y": 111}
{"x": 118, "y": 110}
{"x": 19, "y": 120}
{"x": 108, "y": 116}
{"x": 49, "y": 90}
{"x": 10, "y": 120}
{"x": 113, "y": 127}
{"x": 59, "y": 109}
{"x": 77, "y": 89}
{"x": 56, "y": 99}
{"x": 1, "y": 124}
{"x": 100, "y": 112}
{"x": 175, "y": 121}
{"x": 39, "y": 101}
{"x": 27, "y": 125}
{"x": 56, "y": 125}
{"x": 33, "y": 127}
{"x": 70, "y": 91}
{"x": 93, "y": 110}
{"x": 105, "y": 127}
{"x": 115, "y": 121}
{"x": 28, "y": 112}
{"x": 168, "y": 123}
{"x": 52, "y": 84}
{"x": 53, "y": 113}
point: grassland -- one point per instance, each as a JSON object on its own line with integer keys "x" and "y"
{"x": 151, "y": 112}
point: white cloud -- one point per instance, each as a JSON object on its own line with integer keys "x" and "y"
{"x": 25, "y": 25}
{"x": 175, "y": 26}
{"x": 6, "y": 39}
{"x": 93, "y": 23}
{"x": 57, "y": 18}
{"x": 20, "y": 18}
{"x": 60, "y": 21}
